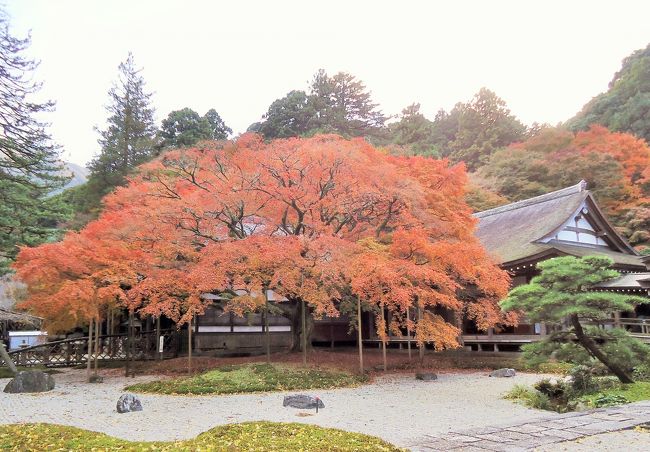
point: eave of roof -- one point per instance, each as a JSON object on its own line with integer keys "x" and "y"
{"x": 520, "y": 232}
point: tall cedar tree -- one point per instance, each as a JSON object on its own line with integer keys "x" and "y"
{"x": 29, "y": 162}
{"x": 564, "y": 290}
{"x": 338, "y": 104}
{"x": 129, "y": 138}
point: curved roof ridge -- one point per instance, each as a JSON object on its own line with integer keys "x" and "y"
{"x": 577, "y": 188}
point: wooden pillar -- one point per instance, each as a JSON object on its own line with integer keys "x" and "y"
{"x": 189, "y": 346}
{"x": 266, "y": 326}
{"x": 359, "y": 335}
{"x": 408, "y": 332}
{"x": 304, "y": 333}
{"x": 90, "y": 350}
{"x": 159, "y": 355}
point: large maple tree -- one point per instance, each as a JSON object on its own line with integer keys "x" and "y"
{"x": 317, "y": 220}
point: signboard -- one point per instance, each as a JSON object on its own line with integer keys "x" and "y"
{"x": 161, "y": 344}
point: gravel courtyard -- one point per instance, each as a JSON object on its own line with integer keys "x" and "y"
{"x": 396, "y": 408}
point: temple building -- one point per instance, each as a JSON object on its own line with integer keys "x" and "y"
{"x": 566, "y": 222}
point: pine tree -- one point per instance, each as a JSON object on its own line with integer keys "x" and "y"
{"x": 29, "y": 161}
{"x": 129, "y": 138}
{"x": 564, "y": 292}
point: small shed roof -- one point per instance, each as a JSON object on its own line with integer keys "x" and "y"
{"x": 19, "y": 317}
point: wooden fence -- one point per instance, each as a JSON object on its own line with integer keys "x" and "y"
{"x": 71, "y": 352}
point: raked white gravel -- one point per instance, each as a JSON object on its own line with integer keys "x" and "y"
{"x": 397, "y": 407}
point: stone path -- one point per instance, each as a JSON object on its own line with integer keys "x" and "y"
{"x": 531, "y": 434}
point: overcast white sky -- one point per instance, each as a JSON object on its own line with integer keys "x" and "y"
{"x": 545, "y": 58}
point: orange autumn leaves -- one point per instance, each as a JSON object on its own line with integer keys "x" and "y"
{"x": 315, "y": 219}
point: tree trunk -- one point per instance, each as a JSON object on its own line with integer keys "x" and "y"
{"x": 267, "y": 335}
{"x": 129, "y": 345}
{"x": 98, "y": 331}
{"x": 189, "y": 347}
{"x": 89, "y": 361}
{"x": 7, "y": 359}
{"x": 359, "y": 335}
{"x": 591, "y": 346}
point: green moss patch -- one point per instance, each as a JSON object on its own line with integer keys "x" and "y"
{"x": 260, "y": 436}
{"x": 251, "y": 378}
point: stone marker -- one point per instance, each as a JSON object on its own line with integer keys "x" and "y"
{"x": 425, "y": 376}
{"x": 128, "y": 403}
{"x": 30, "y": 381}
{"x": 303, "y": 401}
{"x": 503, "y": 373}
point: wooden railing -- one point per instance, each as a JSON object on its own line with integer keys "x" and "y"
{"x": 70, "y": 352}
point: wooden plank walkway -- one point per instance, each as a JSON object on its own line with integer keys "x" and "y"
{"x": 549, "y": 430}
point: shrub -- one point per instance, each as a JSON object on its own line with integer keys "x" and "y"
{"x": 609, "y": 400}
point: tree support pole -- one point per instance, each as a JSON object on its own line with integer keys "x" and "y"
{"x": 189, "y": 346}
{"x": 159, "y": 353}
{"x": 408, "y": 332}
{"x": 98, "y": 331}
{"x": 304, "y": 333}
{"x": 359, "y": 335}
{"x": 266, "y": 326}
{"x": 384, "y": 340}
{"x": 422, "y": 345}
{"x": 90, "y": 350}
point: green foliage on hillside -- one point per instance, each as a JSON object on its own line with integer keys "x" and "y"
{"x": 625, "y": 106}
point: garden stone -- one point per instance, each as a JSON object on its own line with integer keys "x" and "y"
{"x": 30, "y": 381}
{"x": 303, "y": 401}
{"x": 128, "y": 403}
{"x": 503, "y": 373}
{"x": 96, "y": 379}
{"x": 426, "y": 376}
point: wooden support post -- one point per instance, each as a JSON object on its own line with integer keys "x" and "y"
{"x": 304, "y": 333}
{"x": 266, "y": 326}
{"x": 383, "y": 342}
{"x": 129, "y": 340}
{"x": 98, "y": 331}
{"x": 159, "y": 353}
{"x": 359, "y": 335}
{"x": 90, "y": 349}
{"x": 408, "y": 332}
{"x": 189, "y": 347}
{"x": 421, "y": 350}
{"x": 7, "y": 359}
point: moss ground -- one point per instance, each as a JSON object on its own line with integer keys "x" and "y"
{"x": 257, "y": 436}
{"x": 251, "y": 378}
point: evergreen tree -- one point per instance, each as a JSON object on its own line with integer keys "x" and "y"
{"x": 625, "y": 106}
{"x": 563, "y": 291}
{"x": 129, "y": 138}
{"x": 339, "y": 104}
{"x": 186, "y": 127}
{"x": 415, "y": 132}
{"x": 29, "y": 162}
